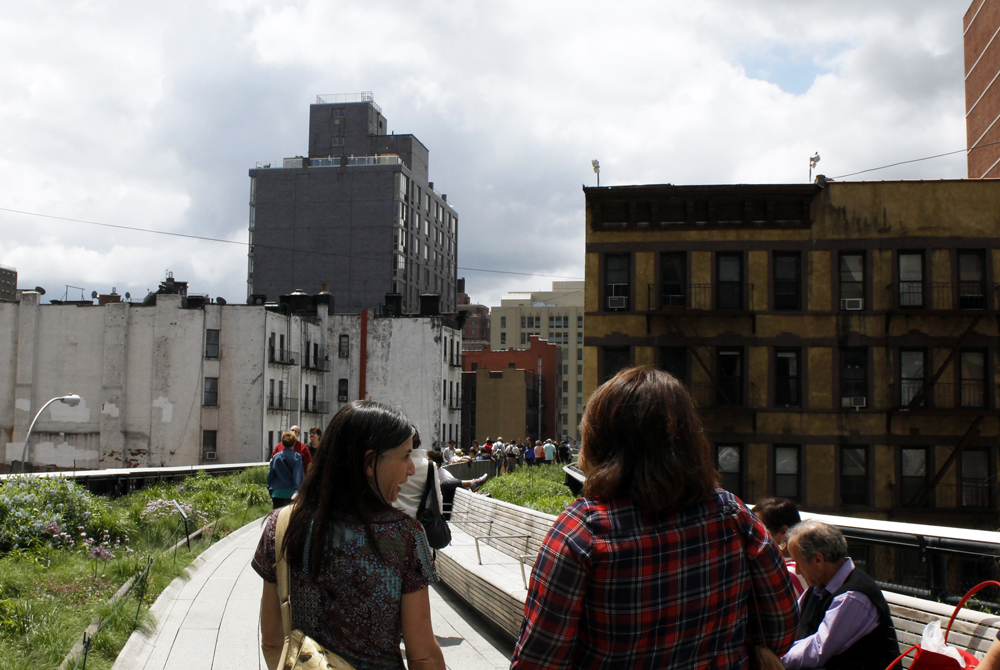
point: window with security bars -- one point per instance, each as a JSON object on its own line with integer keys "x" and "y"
{"x": 854, "y": 475}
{"x": 730, "y": 464}
{"x": 913, "y": 474}
{"x": 786, "y": 472}
{"x": 787, "y": 281}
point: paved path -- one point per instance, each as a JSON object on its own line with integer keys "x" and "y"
{"x": 209, "y": 622}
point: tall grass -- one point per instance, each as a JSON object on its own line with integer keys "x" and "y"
{"x": 49, "y": 594}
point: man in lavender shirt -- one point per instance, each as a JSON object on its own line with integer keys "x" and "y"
{"x": 844, "y": 619}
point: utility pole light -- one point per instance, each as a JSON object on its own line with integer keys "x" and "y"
{"x": 597, "y": 170}
{"x": 813, "y": 160}
{"x": 71, "y": 399}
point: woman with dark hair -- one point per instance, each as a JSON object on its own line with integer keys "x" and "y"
{"x": 778, "y": 515}
{"x": 359, "y": 568}
{"x": 648, "y": 569}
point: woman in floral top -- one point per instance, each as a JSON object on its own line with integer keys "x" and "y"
{"x": 359, "y": 569}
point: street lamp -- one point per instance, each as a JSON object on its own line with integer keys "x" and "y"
{"x": 72, "y": 400}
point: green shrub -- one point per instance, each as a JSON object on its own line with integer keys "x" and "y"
{"x": 540, "y": 488}
{"x": 43, "y": 511}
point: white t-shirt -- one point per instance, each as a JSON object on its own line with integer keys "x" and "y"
{"x": 448, "y": 455}
{"x": 413, "y": 490}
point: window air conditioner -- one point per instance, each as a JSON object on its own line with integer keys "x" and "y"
{"x": 852, "y": 304}
{"x": 342, "y": 398}
{"x": 209, "y": 456}
{"x": 859, "y": 401}
{"x": 617, "y": 302}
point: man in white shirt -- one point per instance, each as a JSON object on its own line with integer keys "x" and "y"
{"x": 448, "y": 454}
{"x": 412, "y": 491}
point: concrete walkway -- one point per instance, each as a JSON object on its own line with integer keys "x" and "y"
{"x": 210, "y": 621}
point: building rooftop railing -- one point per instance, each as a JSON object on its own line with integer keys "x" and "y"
{"x": 329, "y": 161}
{"x": 339, "y": 98}
{"x": 8, "y": 268}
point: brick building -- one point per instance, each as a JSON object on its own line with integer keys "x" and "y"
{"x": 982, "y": 92}
{"x": 840, "y": 338}
{"x": 542, "y": 360}
{"x": 476, "y": 331}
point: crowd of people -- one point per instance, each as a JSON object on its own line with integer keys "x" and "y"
{"x": 654, "y": 566}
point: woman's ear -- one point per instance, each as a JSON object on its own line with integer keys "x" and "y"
{"x": 369, "y": 460}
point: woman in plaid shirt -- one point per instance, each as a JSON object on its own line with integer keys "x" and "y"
{"x": 646, "y": 570}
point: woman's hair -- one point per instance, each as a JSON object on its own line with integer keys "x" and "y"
{"x": 337, "y": 486}
{"x": 777, "y": 512}
{"x": 289, "y": 438}
{"x": 642, "y": 438}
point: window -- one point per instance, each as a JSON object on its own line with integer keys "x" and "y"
{"x": 729, "y": 377}
{"x": 579, "y": 369}
{"x": 565, "y": 387}
{"x": 852, "y": 281}
{"x": 911, "y": 376}
{"x": 523, "y": 321}
{"x": 911, "y": 279}
{"x": 345, "y": 346}
{"x": 913, "y": 468}
{"x": 975, "y": 478}
{"x": 211, "y": 343}
{"x": 730, "y": 462}
{"x": 579, "y": 337}
{"x": 552, "y": 321}
{"x": 616, "y": 281}
{"x": 729, "y": 281}
{"x": 565, "y": 369}
{"x": 973, "y": 371}
{"x": 211, "y": 392}
{"x": 524, "y": 338}
{"x": 503, "y": 321}
{"x": 565, "y": 398}
{"x": 787, "y": 378}
{"x": 579, "y": 322}
{"x": 270, "y": 393}
{"x": 674, "y": 361}
{"x": 341, "y": 390}
{"x": 565, "y": 354}
{"x": 305, "y": 397}
{"x": 787, "y": 281}
{"x": 854, "y": 475}
{"x": 673, "y": 277}
{"x": 208, "y": 444}
{"x": 786, "y": 472}
{"x": 971, "y": 280}
{"x": 579, "y": 354}
{"x": 853, "y": 377}
{"x": 579, "y": 387}
{"x": 615, "y": 359}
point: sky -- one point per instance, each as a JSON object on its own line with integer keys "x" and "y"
{"x": 150, "y": 114}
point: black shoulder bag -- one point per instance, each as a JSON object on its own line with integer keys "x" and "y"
{"x": 429, "y": 514}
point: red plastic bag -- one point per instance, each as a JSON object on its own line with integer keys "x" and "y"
{"x": 929, "y": 660}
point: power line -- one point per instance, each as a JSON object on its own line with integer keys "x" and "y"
{"x": 917, "y": 160}
{"x": 203, "y": 238}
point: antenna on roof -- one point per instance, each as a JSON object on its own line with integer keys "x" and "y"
{"x": 813, "y": 160}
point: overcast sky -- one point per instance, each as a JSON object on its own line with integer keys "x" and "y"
{"x": 149, "y": 114}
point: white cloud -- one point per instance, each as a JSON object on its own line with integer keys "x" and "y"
{"x": 150, "y": 114}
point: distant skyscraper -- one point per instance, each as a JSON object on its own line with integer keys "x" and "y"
{"x": 358, "y": 214}
{"x": 982, "y": 92}
{"x": 8, "y": 283}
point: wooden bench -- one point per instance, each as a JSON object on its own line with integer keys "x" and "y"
{"x": 492, "y": 541}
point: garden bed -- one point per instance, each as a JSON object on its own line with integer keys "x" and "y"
{"x": 539, "y": 487}
{"x": 64, "y": 553}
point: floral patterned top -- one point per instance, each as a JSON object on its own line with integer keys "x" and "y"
{"x": 353, "y": 608}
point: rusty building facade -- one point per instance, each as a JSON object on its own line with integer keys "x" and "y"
{"x": 982, "y": 92}
{"x": 840, "y": 339}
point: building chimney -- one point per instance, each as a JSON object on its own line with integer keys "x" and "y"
{"x": 430, "y": 304}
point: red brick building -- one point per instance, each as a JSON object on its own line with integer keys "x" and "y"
{"x": 543, "y": 360}
{"x": 476, "y": 331}
{"x": 982, "y": 88}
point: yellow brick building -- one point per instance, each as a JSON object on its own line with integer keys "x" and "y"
{"x": 840, "y": 338}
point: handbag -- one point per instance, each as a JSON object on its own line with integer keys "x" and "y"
{"x": 300, "y": 652}
{"x": 760, "y": 656}
{"x": 429, "y": 514}
{"x": 930, "y": 660}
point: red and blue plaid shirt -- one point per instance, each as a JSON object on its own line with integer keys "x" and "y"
{"x": 615, "y": 587}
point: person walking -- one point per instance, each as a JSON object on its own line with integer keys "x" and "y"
{"x": 360, "y": 570}
{"x": 648, "y": 569}
{"x": 285, "y": 472}
{"x": 550, "y": 452}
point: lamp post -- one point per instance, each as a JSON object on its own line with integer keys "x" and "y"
{"x": 72, "y": 400}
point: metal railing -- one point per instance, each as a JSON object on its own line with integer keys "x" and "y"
{"x": 943, "y": 395}
{"x": 315, "y": 407}
{"x": 720, "y": 296}
{"x": 726, "y": 392}
{"x": 341, "y": 98}
{"x": 281, "y": 403}
{"x": 282, "y": 356}
{"x": 329, "y": 161}
{"x": 945, "y": 296}
{"x": 314, "y": 361}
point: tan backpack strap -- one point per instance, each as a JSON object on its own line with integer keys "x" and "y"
{"x": 282, "y": 569}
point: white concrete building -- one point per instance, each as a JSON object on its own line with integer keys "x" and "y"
{"x": 186, "y": 381}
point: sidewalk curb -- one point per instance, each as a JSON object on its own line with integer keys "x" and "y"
{"x": 132, "y": 654}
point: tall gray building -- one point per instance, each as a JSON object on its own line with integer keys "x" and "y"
{"x": 357, "y": 214}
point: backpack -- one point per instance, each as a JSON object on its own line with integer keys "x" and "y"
{"x": 286, "y": 470}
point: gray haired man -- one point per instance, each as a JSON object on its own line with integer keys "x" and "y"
{"x": 843, "y": 619}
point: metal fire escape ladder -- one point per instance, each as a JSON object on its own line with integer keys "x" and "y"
{"x": 952, "y": 457}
